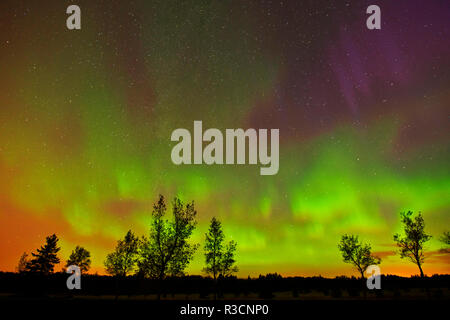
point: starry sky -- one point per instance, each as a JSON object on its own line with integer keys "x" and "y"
{"x": 86, "y": 118}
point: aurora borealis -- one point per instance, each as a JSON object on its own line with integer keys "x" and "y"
{"x": 86, "y": 118}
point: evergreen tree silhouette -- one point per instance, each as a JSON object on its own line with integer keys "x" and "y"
{"x": 46, "y": 257}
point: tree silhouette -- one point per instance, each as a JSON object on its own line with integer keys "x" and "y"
{"x": 213, "y": 248}
{"x": 219, "y": 259}
{"x": 23, "y": 262}
{"x": 228, "y": 266}
{"x": 357, "y": 253}
{"x": 445, "y": 239}
{"x": 123, "y": 260}
{"x": 411, "y": 246}
{"x": 81, "y": 258}
{"x": 167, "y": 250}
{"x": 46, "y": 257}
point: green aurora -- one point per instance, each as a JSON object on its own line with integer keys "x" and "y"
{"x": 86, "y": 118}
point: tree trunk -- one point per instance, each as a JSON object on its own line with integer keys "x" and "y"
{"x": 364, "y": 284}
{"x": 421, "y": 271}
{"x": 215, "y": 287}
{"x": 159, "y": 286}
{"x": 117, "y": 286}
{"x": 423, "y": 277}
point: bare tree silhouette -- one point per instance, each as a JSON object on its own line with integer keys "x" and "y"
{"x": 81, "y": 258}
{"x": 411, "y": 245}
{"x": 123, "y": 260}
{"x": 357, "y": 253}
{"x": 46, "y": 257}
{"x": 167, "y": 251}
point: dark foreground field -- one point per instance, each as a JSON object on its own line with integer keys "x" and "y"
{"x": 14, "y": 286}
{"x": 283, "y": 298}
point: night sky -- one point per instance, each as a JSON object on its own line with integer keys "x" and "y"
{"x": 86, "y": 118}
